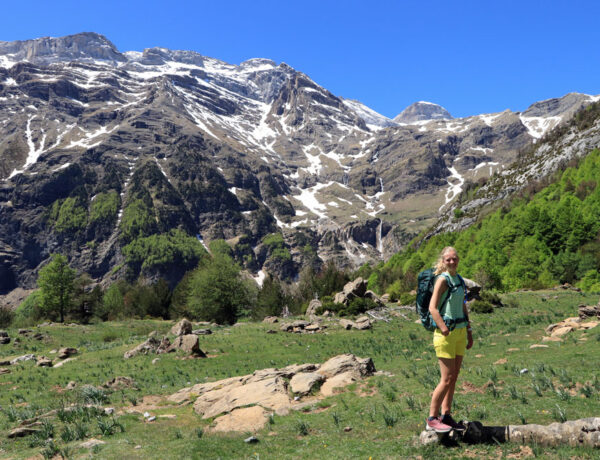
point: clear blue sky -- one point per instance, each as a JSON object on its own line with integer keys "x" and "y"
{"x": 471, "y": 57}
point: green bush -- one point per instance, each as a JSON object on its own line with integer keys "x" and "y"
{"x": 407, "y": 298}
{"x": 590, "y": 282}
{"x": 6, "y": 316}
{"x": 395, "y": 290}
{"x": 105, "y": 207}
{"x": 481, "y": 306}
{"x": 29, "y": 312}
{"x": 491, "y": 298}
{"x": 68, "y": 215}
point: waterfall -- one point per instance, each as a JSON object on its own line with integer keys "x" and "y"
{"x": 381, "y": 183}
{"x": 378, "y": 237}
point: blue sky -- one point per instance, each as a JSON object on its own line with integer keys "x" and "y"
{"x": 471, "y": 57}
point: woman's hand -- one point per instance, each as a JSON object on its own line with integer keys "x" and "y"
{"x": 445, "y": 331}
{"x": 469, "y": 339}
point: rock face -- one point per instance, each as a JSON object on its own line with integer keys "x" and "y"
{"x": 227, "y": 152}
{"x": 313, "y": 306}
{"x": 269, "y": 389}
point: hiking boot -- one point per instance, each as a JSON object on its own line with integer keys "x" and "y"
{"x": 448, "y": 420}
{"x": 435, "y": 424}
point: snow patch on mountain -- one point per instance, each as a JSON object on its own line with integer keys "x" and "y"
{"x": 374, "y": 120}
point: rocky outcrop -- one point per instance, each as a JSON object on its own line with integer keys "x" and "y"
{"x": 183, "y": 327}
{"x": 270, "y": 389}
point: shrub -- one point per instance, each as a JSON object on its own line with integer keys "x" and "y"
{"x": 29, "y": 312}
{"x": 492, "y": 298}
{"x": 6, "y": 316}
{"x": 407, "y": 298}
{"x": 481, "y": 306}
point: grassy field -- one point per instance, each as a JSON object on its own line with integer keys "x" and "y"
{"x": 386, "y": 412}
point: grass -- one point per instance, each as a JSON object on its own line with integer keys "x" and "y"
{"x": 560, "y": 382}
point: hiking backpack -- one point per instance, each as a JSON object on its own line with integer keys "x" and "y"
{"x": 425, "y": 284}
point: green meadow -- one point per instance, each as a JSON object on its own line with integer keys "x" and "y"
{"x": 503, "y": 381}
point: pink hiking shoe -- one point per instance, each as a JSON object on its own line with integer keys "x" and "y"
{"x": 435, "y": 424}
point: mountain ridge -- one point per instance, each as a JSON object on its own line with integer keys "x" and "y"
{"x": 278, "y": 154}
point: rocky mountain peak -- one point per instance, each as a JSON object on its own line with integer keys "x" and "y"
{"x": 47, "y": 50}
{"x": 422, "y": 111}
{"x": 558, "y": 106}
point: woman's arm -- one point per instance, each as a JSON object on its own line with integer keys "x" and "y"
{"x": 438, "y": 290}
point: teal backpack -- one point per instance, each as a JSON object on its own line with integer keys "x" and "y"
{"x": 426, "y": 280}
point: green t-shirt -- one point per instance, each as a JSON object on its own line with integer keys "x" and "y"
{"x": 453, "y": 305}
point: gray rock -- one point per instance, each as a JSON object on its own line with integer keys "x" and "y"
{"x": 303, "y": 383}
{"x": 20, "y": 359}
{"x": 183, "y": 327}
{"x": 189, "y": 344}
{"x": 313, "y": 306}
{"x": 66, "y": 352}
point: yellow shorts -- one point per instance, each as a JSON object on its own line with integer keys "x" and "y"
{"x": 452, "y": 345}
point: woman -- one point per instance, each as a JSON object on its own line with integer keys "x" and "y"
{"x": 447, "y": 303}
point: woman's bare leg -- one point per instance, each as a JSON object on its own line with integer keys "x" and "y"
{"x": 447, "y": 401}
{"x": 439, "y": 394}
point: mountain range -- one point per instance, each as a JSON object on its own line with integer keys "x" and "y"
{"x": 102, "y": 150}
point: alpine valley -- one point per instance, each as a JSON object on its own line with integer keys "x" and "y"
{"x": 101, "y": 150}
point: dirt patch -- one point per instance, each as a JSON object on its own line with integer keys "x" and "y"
{"x": 524, "y": 452}
{"x": 468, "y": 387}
{"x": 364, "y": 391}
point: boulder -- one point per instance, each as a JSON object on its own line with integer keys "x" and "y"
{"x": 286, "y": 327}
{"x": 561, "y": 331}
{"x": 473, "y": 288}
{"x": 582, "y": 432}
{"x": 338, "y": 381}
{"x": 385, "y": 298}
{"x": 183, "y": 327}
{"x": 42, "y": 361}
{"x": 164, "y": 346}
{"x": 65, "y": 352}
{"x": 270, "y": 319}
{"x": 4, "y": 340}
{"x": 22, "y": 431}
{"x": 4, "y": 370}
{"x": 347, "y": 363}
{"x": 340, "y": 297}
{"x": 300, "y": 323}
{"x": 586, "y": 312}
{"x": 149, "y": 346}
{"x": 247, "y": 419}
{"x": 356, "y": 288}
{"x": 313, "y": 306}
{"x": 346, "y": 324}
{"x": 304, "y": 382}
{"x": 3, "y": 334}
{"x": 189, "y": 344}
{"x": 270, "y": 393}
{"x": 22, "y": 358}
{"x": 375, "y": 298}
{"x": 363, "y": 325}
{"x": 312, "y": 328}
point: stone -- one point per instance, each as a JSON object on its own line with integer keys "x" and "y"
{"x": 428, "y": 437}
{"x": 385, "y": 298}
{"x": 3, "y": 334}
{"x": 92, "y": 443}
{"x": 304, "y": 382}
{"x": 363, "y": 325}
{"x": 4, "y": 340}
{"x": 586, "y": 312}
{"x": 286, "y": 328}
{"x": 22, "y": 358}
{"x": 24, "y": 331}
{"x": 38, "y": 336}
{"x": 71, "y": 385}
{"x": 347, "y": 429}
{"x": 538, "y": 345}
{"x": 120, "y": 383}
{"x": 346, "y": 324}
{"x": 4, "y": 370}
{"x": 270, "y": 393}
{"x": 189, "y": 344}
{"x": 338, "y": 381}
{"x": 313, "y": 306}
{"x": 356, "y": 288}
{"x": 149, "y": 346}
{"x": 345, "y": 363}
{"x": 270, "y": 319}
{"x": 164, "y": 346}
{"x": 561, "y": 331}
{"x": 583, "y": 432}
{"x": 300, "y": 323}
{"x": 271, "y": 331}
{"x": 64, "y": 353}
{"x": 501, "y": 361}
{"x": 251, "y": 440}
{"x": 155, "y": 360}
{"x": 22, "y": 432}
{"x": 64, "y": 361}
{"x": 340, "y": 297}
{"x": 312, "y": 328}
{"x": 202, "y": 332}
{"x": 590, "y": 324}
{"x": 42, "y": 361}
{"x": 187, "y": 394}
{"x": 551, "y": 339}
{"x": 247, "y": 419}
{"x": 183, "y": 327}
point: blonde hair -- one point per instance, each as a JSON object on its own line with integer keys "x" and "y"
{"x": 440, "y": 266}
